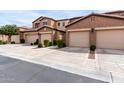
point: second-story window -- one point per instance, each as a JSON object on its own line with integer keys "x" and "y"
{"x": 58, "y": 24}
{"x": 37, "y": 25}
{"x": 63, "y": 23}
{"x": 45, "y": 24}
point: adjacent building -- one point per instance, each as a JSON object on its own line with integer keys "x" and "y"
{"x": 105, "y": 30}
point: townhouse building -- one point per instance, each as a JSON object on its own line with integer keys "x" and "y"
{"x": 105, "y": 30}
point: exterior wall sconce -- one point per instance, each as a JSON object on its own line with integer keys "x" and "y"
{"x": 92, "y": 30}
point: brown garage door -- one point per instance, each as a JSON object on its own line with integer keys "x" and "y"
{"x": 110, "y": 39}
{"x": 79, "y": 39}
{"x": 31, "y": 38}
{"x": 45, "y": 37}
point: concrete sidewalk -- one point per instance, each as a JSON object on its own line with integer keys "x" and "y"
{"x": 74, "y": 60}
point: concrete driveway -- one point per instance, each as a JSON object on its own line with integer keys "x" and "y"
{"x": 112, "y": 61}
{"x": 108, "y": 64}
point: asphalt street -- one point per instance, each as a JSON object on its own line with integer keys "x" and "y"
{"x": 18, "y": 71}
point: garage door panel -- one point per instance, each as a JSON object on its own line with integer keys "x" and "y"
{"x": 110, "y": 39}
{"x": 31, "y": 38}
{"x": 45, "y": 37}
{"x": 79, "y": 39}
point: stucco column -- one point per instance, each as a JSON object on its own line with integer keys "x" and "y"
{"x": 39, "y": 37}
{"x": 22, "y": 35}
{"x": 92, "y": 36}
{"x": 67, "y": 38}
{"x": 52, "y": 36}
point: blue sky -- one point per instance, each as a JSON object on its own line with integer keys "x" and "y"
{"x": 25, "y": 18}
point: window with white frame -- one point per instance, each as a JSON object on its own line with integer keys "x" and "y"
{"x": 63, "y": 23}
{"x": 45, "y": 23}
{"x": 59, "y": 24}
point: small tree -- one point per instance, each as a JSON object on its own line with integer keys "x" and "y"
{"x": 10, "y": 30}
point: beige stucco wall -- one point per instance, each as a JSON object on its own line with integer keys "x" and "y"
{"x": 4, "y": 37}
{"x": 97, "y": 21}
{"x": 50, "y": 22}
{"x": 61, "y": 24}
{"x": 113, "y": 39}
{"x": 53, "y": 23}
{"x": 15, "y": 38}
{"x": 37, "y": 21}
{"x": 81, "y": 24}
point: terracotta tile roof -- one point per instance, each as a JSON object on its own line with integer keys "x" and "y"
{"x": 43, "y": 18}
{"x": 76, "y": 17}
{"x": 70, "y": 18}
{"x": 62, "y": 19}
{"x": 37, "y": 29}
{"x": 50, "y": 28}
{"x": 25, "y": 27}
{"x": 118, "y": 11}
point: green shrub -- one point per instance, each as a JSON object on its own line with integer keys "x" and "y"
{"x": 92, "y": 47}
{"x": 46, "y": 43}
{"x": 64, "y": 45}
{"x": 54, "y": 42}
{"x": 40, "y": 45}
{"x": 4, "y": 42}
{"x": 13, "y": 42}
{"x": 60, "y": 43}
{"x": 1, "y": 42}
{"x": 36, "y": 42}
{"x": 31, "y": 44}
{"x": 50, "y": 44}
{"x": 22, "y": 41}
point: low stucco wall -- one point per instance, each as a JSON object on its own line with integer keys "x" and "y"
{"x": 15, "y": 38}
{"x": 4, "y": 38}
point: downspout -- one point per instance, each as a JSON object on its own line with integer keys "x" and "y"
{"x": 67, "y": 38}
